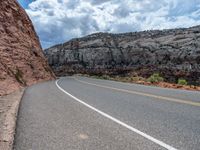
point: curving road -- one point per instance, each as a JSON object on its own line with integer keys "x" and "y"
{"x": 79, "y": 113}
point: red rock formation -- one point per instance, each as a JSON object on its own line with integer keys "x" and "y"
{"x": 21, "y": 58}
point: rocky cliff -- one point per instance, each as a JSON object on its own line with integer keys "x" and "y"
{"x": 21, "y": 58}
{"x": 174, "y": 53}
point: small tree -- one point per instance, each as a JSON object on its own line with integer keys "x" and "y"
{"x": 155, "y": 78}
{"x": 182, "y": 82}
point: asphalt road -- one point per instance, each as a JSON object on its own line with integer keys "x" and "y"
{"x": 78, "y": 113}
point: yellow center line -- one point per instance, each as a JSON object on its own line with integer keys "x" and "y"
{"x": 144, "y": 94}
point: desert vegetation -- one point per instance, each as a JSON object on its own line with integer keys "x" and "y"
{"x": 154, "y": 80}
{"x": 182, "y": 82}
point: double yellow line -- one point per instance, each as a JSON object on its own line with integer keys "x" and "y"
{"x": 157, "y": 97}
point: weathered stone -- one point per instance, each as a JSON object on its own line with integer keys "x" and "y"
{"x": 21, "y": 58}
{"x": 175, "y": 53}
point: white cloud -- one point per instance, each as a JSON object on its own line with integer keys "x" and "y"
{"x": 57, "y": 21}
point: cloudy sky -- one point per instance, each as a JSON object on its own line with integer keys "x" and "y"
{"x": 57, "y": 21}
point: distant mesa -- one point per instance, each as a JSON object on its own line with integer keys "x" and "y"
{"x": 174, "y": 53}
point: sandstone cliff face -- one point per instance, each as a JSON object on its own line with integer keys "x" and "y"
{"x": 21, "y": 58}
{"x": 174, "y": 53}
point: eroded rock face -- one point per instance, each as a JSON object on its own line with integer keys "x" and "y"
{"x": 21, "y": 58}
{"x": 174, "y": 53}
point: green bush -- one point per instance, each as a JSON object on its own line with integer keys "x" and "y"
{"x": 182, "y": 82}
{"x": 105, "y": 77}
{"x": 155, "y": 78}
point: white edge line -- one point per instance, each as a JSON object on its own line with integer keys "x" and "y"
{"x": 119, "y": 122}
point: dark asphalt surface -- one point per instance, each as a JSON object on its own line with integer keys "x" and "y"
{"x": 51, "y": 120}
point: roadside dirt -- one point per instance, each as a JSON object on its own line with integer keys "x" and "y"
{"x": 144, "y": 82}
{"x": 9, "y": 105}
{"x": 170, "y": 85}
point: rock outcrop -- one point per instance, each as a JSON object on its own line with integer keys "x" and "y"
{"x": 174, "y": 53}
{"x": 22, "y": 61}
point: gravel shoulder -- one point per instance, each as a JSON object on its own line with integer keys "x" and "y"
{"x": 9, "y": 105}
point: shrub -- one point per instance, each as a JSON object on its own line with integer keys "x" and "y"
{"x": 105, "y": 77}
{"x": 182, "y": 82}
{"x": 137, "y": 78}
{"x": 19, "y": 76}
{"x": 134, "y": 79}
{"x": 155, "y": 78}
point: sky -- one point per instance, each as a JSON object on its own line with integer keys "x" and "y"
{"x": 57, "y": 21}
{"x": 25, "y": 3}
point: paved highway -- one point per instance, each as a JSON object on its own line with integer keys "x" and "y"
{"x": 79, "y": 113}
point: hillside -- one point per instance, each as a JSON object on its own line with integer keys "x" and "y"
{"x": 21, "y": 58}
{"x": 174, "y": 53}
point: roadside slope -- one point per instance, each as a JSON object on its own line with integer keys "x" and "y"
{"x": 21, "y": 58}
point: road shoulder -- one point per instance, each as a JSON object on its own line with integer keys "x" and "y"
{"x": 9, "y": 106}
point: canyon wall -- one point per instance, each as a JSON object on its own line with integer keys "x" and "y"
{"x": 22, "y": 61}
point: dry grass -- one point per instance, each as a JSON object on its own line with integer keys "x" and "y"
{"x": 159, "y": 81}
